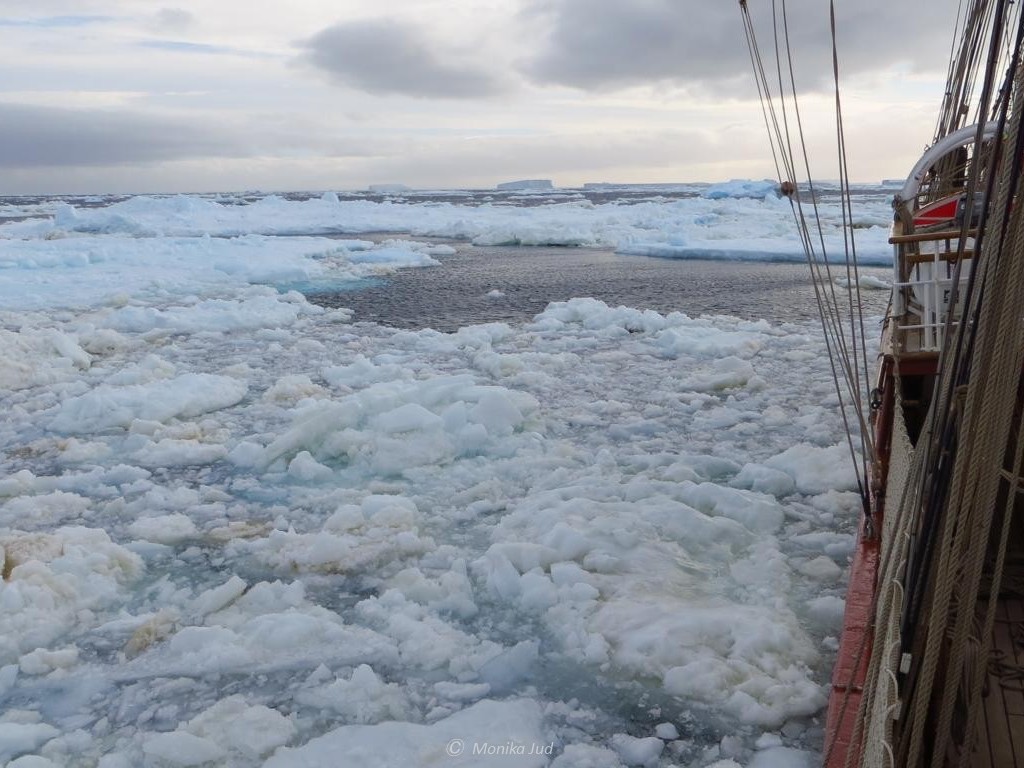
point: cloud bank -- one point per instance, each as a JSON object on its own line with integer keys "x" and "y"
{"x": 389, "y": 57}
{"x": 607, "y": 44}
{"x": 37, "y": 136}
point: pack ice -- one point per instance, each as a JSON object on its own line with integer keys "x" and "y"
{"x": 238, "y": 529}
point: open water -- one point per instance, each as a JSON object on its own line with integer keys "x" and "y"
{"x": 459, "y": 292}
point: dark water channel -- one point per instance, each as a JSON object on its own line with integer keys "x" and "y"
{"x": 457, "y": 292}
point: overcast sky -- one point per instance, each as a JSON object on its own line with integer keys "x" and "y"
{"x": 204, "y": 95}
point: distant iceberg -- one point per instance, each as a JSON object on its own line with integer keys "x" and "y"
{"x": 388, "y": 189}
{"x": 742, "y": 188}
{"x": 528, "y": 184}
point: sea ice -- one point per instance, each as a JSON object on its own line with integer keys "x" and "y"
{"x": 108, "y": 407}
{"x": 469, "y": 737}
{"x": 236, "y": 527}
{"x": 18, "y": 738}
{"x": 742, "y": 188}
{"x": 739, "y": 219}
{"x": 634, "y": 751}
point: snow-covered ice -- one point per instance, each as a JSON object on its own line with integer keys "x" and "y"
{"x": 236, "y": 529}
{"x": 736, "y": 220}
{"x": 526, "y": 185}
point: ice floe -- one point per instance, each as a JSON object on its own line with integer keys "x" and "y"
{"x": 237, "y": 529}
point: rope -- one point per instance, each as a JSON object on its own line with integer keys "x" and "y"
{"x": 990, "y": 361}
{"x": 942, "y": 535}
{"x": 850, "y": 246}
{"x": 849, "y": 392}
{"x": 758, "y": 65}
{"x": 847, "y": 353}
{"x": 1009, "y": 673}
{"x": 889, "y": 598}
{"x": 937, "y": 526}
{"x": 1002, "y": 353}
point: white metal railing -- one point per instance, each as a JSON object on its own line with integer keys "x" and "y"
{"x": 923, "y": 302}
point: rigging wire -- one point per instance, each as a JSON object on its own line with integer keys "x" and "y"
{"x": 830, "y": 308}
{"x": 852, "y": 264}
{"x": 954, "y": 358}
{"x": 838, "y": 337}
{"x": 757, "y": 64}
{"x": 848, "y": 357}
{"x": 982, "y": 52}
{"x": 958, "y": 32}
{"x": 971, "y": 353}
{"x": 957, "y": 358}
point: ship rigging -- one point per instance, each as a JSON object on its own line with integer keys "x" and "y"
{"x": 931, "y": 661}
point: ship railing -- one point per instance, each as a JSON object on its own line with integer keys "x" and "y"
{"x": 924, "y": 266}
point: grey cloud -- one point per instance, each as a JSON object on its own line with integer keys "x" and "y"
{"x": 388, "y": 57}
{"x": 175, "y": 20}
{"x": 487, "y": 160}
{"x": 184, "y": 46}
{"x": 32, "y": 136}
{"x": 607, "y": 43}
{"x": 55, "y": 22}
{"x": 602, "y": 44}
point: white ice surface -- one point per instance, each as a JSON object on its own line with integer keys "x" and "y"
{"x": 224, "y": 511}
{"x": 485, "y": 733}
{"x": 737, "y": 220}
{"x": 71, "y": 270}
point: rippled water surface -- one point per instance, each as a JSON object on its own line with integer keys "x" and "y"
{"x": 457, "y": 293}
